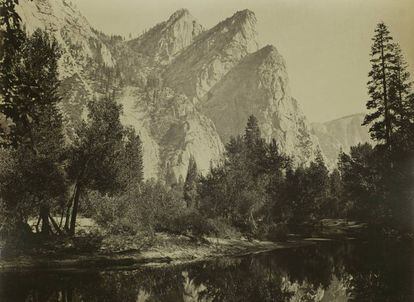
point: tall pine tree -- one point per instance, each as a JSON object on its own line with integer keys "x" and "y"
{"x": 380, "y": 118}
{"x": 190, "y": 184}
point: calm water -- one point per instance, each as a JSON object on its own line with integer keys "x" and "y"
{"x": 330, "y": 271}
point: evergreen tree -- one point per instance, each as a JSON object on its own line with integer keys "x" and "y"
{"x": 190, "y": 184}
{"x": 334, "y": 206}
{"x": 318, "y": 185}
{"x": 130, "y": 170}
{"x": 382, "y": 60}
{"x": 254, "y": 147}
{"x": 36, "y": 132}
{"x": 12, "y": 38}
{"x": 400, "y": 94}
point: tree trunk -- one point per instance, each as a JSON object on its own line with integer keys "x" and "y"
{"x": 55, "y": 225}
{"x": 44, "y": 214}
{"x": 385, "y": 97}
{"x": 252, "y": 220}
{"x": 75, "y": 209}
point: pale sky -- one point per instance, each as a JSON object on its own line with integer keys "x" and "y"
{"x": 326, "y": 43}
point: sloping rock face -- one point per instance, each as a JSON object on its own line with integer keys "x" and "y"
{"x": 165, "y": 40}
{"x": 172, "y": 131}
{"x": 342, "y": 133}
{"x": 170, "y": 127}
{"x": 214, "y": 52}
{"x": 259, "y": 85}
{"x": 184, "y": 89}
{"x": 82, "y": 51}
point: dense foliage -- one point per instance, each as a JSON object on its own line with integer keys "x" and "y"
{"x": 257, "y": 190}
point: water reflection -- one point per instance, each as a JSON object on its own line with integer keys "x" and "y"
{"x": 346, "y": 271}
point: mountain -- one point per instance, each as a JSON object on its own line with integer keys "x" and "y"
{"x": 165, "y": 40}
{"x": 259, "y": 85}
{"x": 83, "y": 52}
{"x": 340, "y": 134}
{"x": 184, "y": 89}
{"x": 172, "y": 130}
{"x": 212, "y": 54}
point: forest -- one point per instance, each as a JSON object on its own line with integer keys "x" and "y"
{"x": 53, "y": 178}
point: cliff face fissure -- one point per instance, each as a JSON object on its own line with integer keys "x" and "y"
{"x": 184, "y": 89}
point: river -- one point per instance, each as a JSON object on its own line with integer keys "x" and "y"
{"x": 326, "y": 271}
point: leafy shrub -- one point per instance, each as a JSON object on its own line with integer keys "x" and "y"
{"x": 142, "y": 209}
{"x": 222, "y": 228}
{"x": 88, "y": 242}
{"x": 272, "y": 232}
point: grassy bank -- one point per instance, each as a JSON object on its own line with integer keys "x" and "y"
{"x": 165, "y": 249}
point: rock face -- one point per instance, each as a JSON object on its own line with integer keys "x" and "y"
{"x": 184, "y": 89}
{"x": 163, "y": 42}
{"x": 213, "y": 53}
{"x": 82, "y": 51}
{"x": 78, "y": 41}
{"x": 259, "y": 85}
{"x": 172, "y": 130}
{"x": 340, "y": 134}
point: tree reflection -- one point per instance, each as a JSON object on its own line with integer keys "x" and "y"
{"x": 327, "y": 272}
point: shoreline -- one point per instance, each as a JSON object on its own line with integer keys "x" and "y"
{"x": 158, "y": 255}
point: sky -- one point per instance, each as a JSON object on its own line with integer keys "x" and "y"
{"x": 325, "y": 43}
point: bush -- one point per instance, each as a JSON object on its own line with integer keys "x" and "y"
{"x": 119, "y": 215}
{"x": 142, "y": 209}
{"x": 272, "y": 232}
{"x": 222, "y": 228}
{"x": 88, "y": 242}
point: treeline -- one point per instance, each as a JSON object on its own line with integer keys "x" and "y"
{"x": 256, "y": 191}
{"x": 42, "y": 173}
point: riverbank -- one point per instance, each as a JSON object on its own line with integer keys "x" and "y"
{"x": 128, "y": 252}
{"x": 166, "y": 249}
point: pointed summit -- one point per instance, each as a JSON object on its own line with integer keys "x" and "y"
{"x": 179, "y": 14}
{"x": 259, "y": 85}
{"x": 165, "y": 40}
{"x": 213, "y": 53}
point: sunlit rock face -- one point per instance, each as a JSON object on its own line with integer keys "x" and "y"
{"x": 210, "y": 81}
{"x": 78, "y": 41}
{"x": 340, "y": 134}
{"x": 213, "y": 53}
{"x": 172, "y": 131}
{"x": 165, "y": 40}
{"x": 82, "y": 50}
{"x": 259, "y": 85}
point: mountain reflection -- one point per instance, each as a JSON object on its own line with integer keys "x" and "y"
{"x": 346, "y": 271}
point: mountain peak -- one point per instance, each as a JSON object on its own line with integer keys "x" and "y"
{"x": 165, "y": 40}
{"x": 269, "y": 48}
{"x": 240, "y": 18}
{"x": 179, "y": 14}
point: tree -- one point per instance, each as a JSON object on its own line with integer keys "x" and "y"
{"x": 362, "y": 182}
{"x": 94, "y": 153}
{"x": 130, "y": 168}
{"x": 382, "y": 61}
{"x": 30, "y": 102}
{"x": 401, "y": 96}
{"x": 254, "y": 147}
{"x": 190, "y": 184}
{"x": 276, "y": 164}
{"x": 335, "y": 206}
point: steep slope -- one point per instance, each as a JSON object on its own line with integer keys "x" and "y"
{"x": 214, "y": 52}
{"x": 340, "y": 134}
{"x": 162, "y": 42}
{"x": 172, "y": 131}
{"x": 76, "y": 37}
{"x": 259, "y": 85}
{"x": 82, "y": 50}
{"x": 170, "y": 127}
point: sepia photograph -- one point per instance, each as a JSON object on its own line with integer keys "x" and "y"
{"x": 206, "y": 150}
